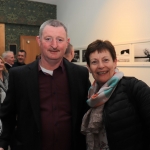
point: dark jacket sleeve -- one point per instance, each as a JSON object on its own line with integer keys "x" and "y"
{"x": 140, "y": 92}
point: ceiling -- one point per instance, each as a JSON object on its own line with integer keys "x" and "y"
{"x": 46, "y": 1}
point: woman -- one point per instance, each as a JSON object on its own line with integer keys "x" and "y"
{"x": 119, "y": 117}
{"x": 3, "y": 80}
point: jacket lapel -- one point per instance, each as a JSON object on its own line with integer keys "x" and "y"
{"x": 73, "y": 88}
{"x": 33, "y": 91}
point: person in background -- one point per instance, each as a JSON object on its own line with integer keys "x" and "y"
{"x": 3, "y": 80}
{"x": 38, "y": 56}
{"x": 9, "y": 59}
{"x": 21, "y": 56}
{"x": 69, "y": 54}
{"x": 47, "y": 98}
{"x": 119, "y": 117}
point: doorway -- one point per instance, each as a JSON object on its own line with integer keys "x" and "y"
{"x": 30, "y": 45}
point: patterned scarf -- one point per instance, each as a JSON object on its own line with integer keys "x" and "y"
{"x": 92, "y": 120}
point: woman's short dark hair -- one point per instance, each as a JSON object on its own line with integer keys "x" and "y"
{"x": 100, "y": 45}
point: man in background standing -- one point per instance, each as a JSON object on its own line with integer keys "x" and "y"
{"x": 21, "y": 56}
{"x": 69, "y": 54}
{"x": 9, "y": 59}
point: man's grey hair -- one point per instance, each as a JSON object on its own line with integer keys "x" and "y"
{"x": 5, "y": 54}
{"x": 51, "y": 22}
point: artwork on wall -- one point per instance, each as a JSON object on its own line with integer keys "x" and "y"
{"x": 123, "y": 52}
{"x": 76, "y": 58}
{"x": 133, "y": 53}
{"x": 141, "y": 52}
{"x": 128, "y": 54}
{"x": 83, "y": 55}
{"x": 79, "y": 56}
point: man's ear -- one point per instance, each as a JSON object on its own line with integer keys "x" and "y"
{"x": 38, "y": 40}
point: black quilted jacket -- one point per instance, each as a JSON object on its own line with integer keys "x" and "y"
{"x": 127, "y": 116}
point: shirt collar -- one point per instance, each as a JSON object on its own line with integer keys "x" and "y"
{"x": 40, "y": 68}
{"x": 8, "y": 64}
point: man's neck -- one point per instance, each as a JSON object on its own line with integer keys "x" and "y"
{"x": 50, "y": 65}
{"x": 8, "y": 64}
{"x": 20, "y": 62}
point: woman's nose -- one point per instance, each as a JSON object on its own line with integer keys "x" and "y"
{"x": 100, "y": 64}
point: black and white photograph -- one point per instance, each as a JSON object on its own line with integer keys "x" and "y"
{"x": 123, "y": 53}
{"x": 83, "y": 56}
{"x": 141, "y": 52}
{"x": 76, "y": 56}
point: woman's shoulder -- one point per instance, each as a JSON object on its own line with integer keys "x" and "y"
{"x": 133, "y": 82}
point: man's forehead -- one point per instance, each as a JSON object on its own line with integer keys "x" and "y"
{"x": 21, "y": 53}
{"x": 53, "y": 29}
{"x": 10, "y": 54}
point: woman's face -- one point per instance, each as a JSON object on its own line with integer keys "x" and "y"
{"x": 102, "y": 66}
{"x": 1, "y": 65}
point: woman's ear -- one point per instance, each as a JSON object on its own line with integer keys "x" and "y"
{"x": 115, "y": 61}
{"x": 88, "y": 68}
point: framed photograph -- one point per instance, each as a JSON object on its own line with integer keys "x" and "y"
{"x": 123, "y": 52}
{"x": 142, "y": 52}
{"x": 76, "y": 58}
{"x": 134, "y": 53}
{"x": 83, "y": 55}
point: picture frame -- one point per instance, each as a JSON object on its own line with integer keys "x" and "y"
{"x": 142, "y": 52}
{"x": 134, "y": 53}
{"x": 123, "y": 53}
{"x": 79, "y": 53}
{"x": 83, "y": 55}
{"x": 76, "y": 58}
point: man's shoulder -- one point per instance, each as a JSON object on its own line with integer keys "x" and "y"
{"x": 7, "y": 65}
{"x": 25, "y": 67}
{"x": 15, "y": 64}
{"x": 75, "y": 66}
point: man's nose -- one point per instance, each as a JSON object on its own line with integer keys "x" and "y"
{"x": 54, "y": 44}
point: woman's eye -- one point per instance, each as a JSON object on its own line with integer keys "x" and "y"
{"x": 94, "y": 62}
{"x": 106, "y": 60}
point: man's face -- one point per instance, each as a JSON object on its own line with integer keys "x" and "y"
{"x": 53, "y": 43}
{"x": 21, "y": 57}
{"x": 10, "y": 58}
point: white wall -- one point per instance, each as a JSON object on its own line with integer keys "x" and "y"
{"x": 116, "y": 20}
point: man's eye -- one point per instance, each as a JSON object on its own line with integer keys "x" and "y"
{"x": 48, "y": 39}
{"x": 60, "y": 40}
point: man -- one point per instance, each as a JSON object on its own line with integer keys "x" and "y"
{"x": 21, "y": 56}
{"x": 69, "y": 54}
{"x": 9, "y": 59}
{"x": 47, "y": 98}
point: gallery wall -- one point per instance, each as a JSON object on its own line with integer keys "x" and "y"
{"x": 120, "y": 21}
